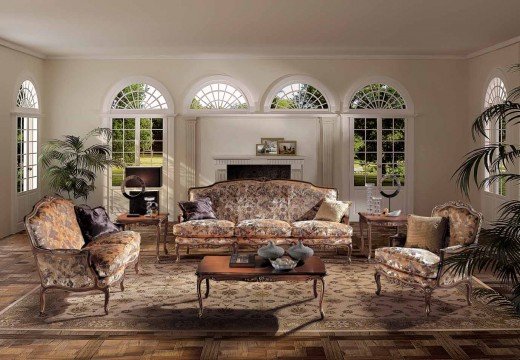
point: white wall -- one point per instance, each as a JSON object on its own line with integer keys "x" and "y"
{"x": 238, "y": 136}
{"x": 14, "y": 67}
{"x": 480, "y": 71}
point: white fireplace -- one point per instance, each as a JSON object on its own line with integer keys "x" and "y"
{"x": 222, "y": 161}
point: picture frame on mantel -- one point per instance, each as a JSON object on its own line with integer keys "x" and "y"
{"x": 268, "y": 146}
{"x": 286, "y": 147}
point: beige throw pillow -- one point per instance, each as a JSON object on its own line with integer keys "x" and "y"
{"x": 426, "y": 232}
{"x": 331, "y": 210}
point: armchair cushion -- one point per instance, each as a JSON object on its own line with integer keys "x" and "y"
{"x": 263, "y": 228}
{"x": 54, "y": 225}
{"x": 66, "y": 268}
{"x": 107, "y": 259}
{"x": 426, "y": 232}
{"x": 207, "y": 228}
{"x": 320, "y": 229}
{"x": 128, "y": 238}
{"x": 419, "y": 262}
{"x": 94, "y": 222}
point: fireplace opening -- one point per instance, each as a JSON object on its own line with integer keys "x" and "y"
{"x": 275, "y": 172}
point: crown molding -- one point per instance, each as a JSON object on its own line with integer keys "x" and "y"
{"x": 22, "y": 49}
{"x": 492, "y": 48}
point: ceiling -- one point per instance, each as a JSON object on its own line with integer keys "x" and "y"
{"x": 183, "y": 28}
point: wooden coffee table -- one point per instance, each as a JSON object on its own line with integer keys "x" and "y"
{"x": 217, "y": 268}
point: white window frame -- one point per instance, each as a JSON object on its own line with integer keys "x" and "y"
{"x": 408, "y": 114}
{"x": 221, "y": 79}
{"x": 279, "y": 84}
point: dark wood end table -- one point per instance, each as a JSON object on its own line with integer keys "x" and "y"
{"x": 160, "y": 221}
{"x": 370, "y": 220}
{"x": 217, "y": 268}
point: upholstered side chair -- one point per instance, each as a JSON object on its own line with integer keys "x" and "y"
{"x": 65, "y": 262}
{"x": 426, "y": 270}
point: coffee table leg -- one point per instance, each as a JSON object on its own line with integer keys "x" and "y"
{"x": 321, "y": 298}
{"x": 207, "y": 288}
{"x": 199, "y": 294}
{"x": 165, "y": 240}
{"x": 361, "y": 230}
{"x": 315, "y": 289}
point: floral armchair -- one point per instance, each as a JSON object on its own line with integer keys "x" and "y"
{"x": 424, "y": 269}
{"x": 65, "y": 262}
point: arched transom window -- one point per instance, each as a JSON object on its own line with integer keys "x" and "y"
{"x": 27, "y": 96}
{"x": 496, "y": 93}
{"x": 377, "y": 96}
{"x": 219, "y": 96}
{"x": 299, "y": 96}
{"x": 139, "y": 96}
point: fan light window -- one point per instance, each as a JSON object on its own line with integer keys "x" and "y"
{"x": 139, "y": 96}
{"x": 219, "y": 96}
{"x": 27, "y": 96}
{"x": 299, "y": 96}
{"x": 377, "y": 96}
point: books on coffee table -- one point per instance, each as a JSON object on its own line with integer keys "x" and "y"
{"x": 242, "y": 260}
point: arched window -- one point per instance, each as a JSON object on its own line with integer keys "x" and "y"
{"x": 27, "y": 96}
{"x": 377, "y": 96}
{"x": 299, "y": 96}
{"x": 496, "y": 93}
{"x": 27, "y": 137}
{"x": 139, "y": 96}
{"x": 219, "y": 96}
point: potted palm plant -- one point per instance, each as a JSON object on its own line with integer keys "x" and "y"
{"x": 499, "y": 250}
{"x": 71, "y": 163}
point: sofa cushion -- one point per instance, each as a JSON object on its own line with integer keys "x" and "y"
{"x": 263, "y": 228}
{"x": 54, "y": 225}
{"x": 207, "y": 228}
{"x": 332, "y": 242}
{"x": 197, "y": 210}
{"x": 94, "y": 222}
{"x": 320, "y": 229}
{"x": 109, "y": 258}
{"x": 129, "y": 238}
{"x": 202, "y": 242}
{"x": 413, "y": 261}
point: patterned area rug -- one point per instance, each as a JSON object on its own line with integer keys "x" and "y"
{"x": 163, "y": 297}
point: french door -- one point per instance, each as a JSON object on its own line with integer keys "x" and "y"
{"x": 379, "y": 149}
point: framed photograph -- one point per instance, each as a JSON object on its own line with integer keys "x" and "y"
{"x": 286, "y": 147}
{"x": 260, "y": 150}
{"x": 270, "y": 145}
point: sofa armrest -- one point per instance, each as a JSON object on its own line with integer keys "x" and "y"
{"x": 68, "y": 268}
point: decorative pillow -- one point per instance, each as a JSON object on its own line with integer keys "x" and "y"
{"x": 94, "y": 222}
{"x": 197, "y": 210}
{"x": 332, "y": 210}
{"x": 426, "y": 232}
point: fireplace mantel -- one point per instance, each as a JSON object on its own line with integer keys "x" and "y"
{"x": 222, "y": 161}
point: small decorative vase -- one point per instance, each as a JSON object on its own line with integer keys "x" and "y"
{"x": 271, "y": 251}
{"x": 300, "y": 252}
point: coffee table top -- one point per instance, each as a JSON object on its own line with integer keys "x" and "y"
{"x": 219, "y": 265}
{"x": 125, "y": 219}
{"x": 383, "y": 218}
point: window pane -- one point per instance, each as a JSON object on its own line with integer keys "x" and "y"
{"x": 371, "y": 123}
{"x": 359, "y": 123}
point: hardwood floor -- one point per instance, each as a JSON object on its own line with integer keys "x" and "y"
{"x": 18, "y": 276}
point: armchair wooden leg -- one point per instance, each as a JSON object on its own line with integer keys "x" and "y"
{"x": 377, "y": 277}
{"x": 428, "y": 300}
{"x": 349, "y": 253}
{"x": 107, "y": 298}
{"x": 177, "y": 253}
{"x": 469, "y": 290}
{"x": 122, "y": 285}
{"x": 136, "y": 266}
{"x": 42, "y": 301}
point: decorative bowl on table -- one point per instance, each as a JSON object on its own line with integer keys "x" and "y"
{"x": 284, "y": 264}
{"x": 271, "y": 251}
{"x": 300, "y": 252}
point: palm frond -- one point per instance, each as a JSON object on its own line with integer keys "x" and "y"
{"x": 103, "y": 133}
{"x": 495, "y": 298}
{"x": 508, "y": 111}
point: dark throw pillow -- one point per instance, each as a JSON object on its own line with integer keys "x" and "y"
{"x": 197, "y": 210}
{"x": 93, "y": 222}
{"x": 426, "y": 232}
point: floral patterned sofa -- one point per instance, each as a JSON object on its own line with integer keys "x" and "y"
{"x": 253, "y": 212}
{"x": 65, "y": 262}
